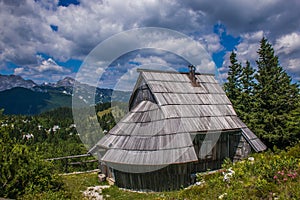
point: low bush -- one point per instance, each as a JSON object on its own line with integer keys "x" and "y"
{"x": 266, "y": 175}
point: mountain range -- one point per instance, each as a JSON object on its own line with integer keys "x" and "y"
{"x": 20, "y": 96}
{"x": 12, "y": 81}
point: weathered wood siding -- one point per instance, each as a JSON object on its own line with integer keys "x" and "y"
{"x": 229, "y": 145}
{"x": 172, "y": 177}
{"x": 243, "y": 149}
{"x": 142, "y": 93}
{"x": 226, "y": 147}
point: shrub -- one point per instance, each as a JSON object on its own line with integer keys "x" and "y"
{"x": 22, "y": 171}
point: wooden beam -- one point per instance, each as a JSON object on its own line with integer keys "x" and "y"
{"x": 68, "y": 157}
{"x": 79, "y": 163}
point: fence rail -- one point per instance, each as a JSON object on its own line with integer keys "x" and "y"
{"x": 66, "y": 160}
{"x": 69, "y": 157}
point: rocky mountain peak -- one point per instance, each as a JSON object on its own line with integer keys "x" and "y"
{"x": 11, "y": 81}
{"x": 66, "y": 82}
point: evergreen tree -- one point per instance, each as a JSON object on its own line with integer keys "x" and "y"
{"x": 293, "y": 126}
{"x": 233, "y": 86}
{"x": 275, "y": 97}
{"x": 247, "y": 79}
{"x": 246, "y": 99}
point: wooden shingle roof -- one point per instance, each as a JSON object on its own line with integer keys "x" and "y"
{"x": 162, "y": 121}
{"x": 145, "y": 137}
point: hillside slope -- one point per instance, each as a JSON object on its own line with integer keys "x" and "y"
{"x": 27, "y": 102}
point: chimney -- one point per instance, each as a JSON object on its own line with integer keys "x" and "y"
{"x": 192, "y": 76}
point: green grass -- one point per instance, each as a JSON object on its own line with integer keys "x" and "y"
{"x": 74, "y": 185}
{"x": 114, "y": 193}
{"x": 252, "y": 180}
{"x": 77, "y": 183}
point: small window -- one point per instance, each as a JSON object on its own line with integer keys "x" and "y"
{"x": 206, "y": 150}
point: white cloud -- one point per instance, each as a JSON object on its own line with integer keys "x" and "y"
{"x": 127, "y": 81}
{"x": 99, "y": 70}
{"x": 149, "y": 60}
{"x": 249, "y": 16}
{"x": 292, "y": 66}
{"x": 287, "y": 47}
{"x": 206, "y": 66}
{"x": 212, "y": 43}
{"x": 50, "y": 65}
{"x": 26, "y": 27}
{"x": 247, "y": 49}
{"x": 93, "y": 21}
{"x": 223, "y": 71}
{"x": 80, "y": 28}
{"x": 253, "y": 36}
{"x": 19, "y": 70}
{"x": 47, "y": 70}
{"x": 288, "y": 44}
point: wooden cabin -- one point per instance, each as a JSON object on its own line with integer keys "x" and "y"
{"x": 178, "y": 124}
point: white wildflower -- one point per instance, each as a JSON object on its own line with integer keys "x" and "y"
{"x": 251, "y": 159}
{"x": 200, "y": 183}
{"x": 222, "y": 196}
{"x": 228, "y": 175}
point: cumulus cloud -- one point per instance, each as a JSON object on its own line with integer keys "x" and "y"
{"x": 212, "y": 43}
{"x": 79, "y": 28}
{"x": 46, "y": 70}
{"x": 275, "y": 16}
{"x": 292, "y": 66}
{"x": 288, "y": 49}
{"x": 149, "y": 60}
{"x": 247, "y": 49}
{"x": 164, "y": 45}
{"x": 251, "y": 20}
{"x": 26, "y": 31}
{"x": 166, "y": 61}
{"x": 224, "y": 69}
{"x": 288, "y": 44}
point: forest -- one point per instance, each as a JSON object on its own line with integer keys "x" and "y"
{"x": 26, "y": 141}
{"x": 264, "y": 96}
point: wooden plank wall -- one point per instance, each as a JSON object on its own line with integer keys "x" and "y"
{"x": 142, "y": 93}
{"x": 171, "y": 177}
{"x": 177, "y": 176}
{"x": 226, "y": 147}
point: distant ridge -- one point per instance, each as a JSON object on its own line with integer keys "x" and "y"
{"x": 19, "y": 96}
{"x": 11, "y": 81}
{"x": 24, "y": 101}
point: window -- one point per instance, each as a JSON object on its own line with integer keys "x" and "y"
{"x": 206, "y": 150}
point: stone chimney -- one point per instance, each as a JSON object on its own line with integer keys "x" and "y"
{"x": 192, "y": 76}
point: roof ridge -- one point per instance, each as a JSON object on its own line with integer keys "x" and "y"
{"x": 170, "y": 72}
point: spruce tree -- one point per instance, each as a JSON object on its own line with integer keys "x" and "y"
{"x": 275, "y": 97}
{"x": 233, "y": 86}
{"x": 246, "y": 99}
{"x": 247, "y": 79}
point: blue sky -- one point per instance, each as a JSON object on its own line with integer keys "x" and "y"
{"x": 48, "y": 40}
